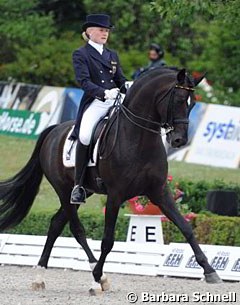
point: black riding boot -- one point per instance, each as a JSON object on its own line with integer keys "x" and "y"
{"x": 78, "y": 195}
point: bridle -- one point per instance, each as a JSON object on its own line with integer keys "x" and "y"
{"x": 170, "y": 121}
{"x": 118, "y": 108}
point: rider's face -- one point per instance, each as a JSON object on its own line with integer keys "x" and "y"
{"x": 98, "y": 35}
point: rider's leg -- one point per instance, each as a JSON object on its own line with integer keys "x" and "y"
{"x": 91, "y": 116}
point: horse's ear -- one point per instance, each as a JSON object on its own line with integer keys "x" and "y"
{"x": 181, "y": 76}
{"x": 198, "y": 80}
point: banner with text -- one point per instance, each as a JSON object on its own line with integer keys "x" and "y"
{"x": 217, "y": 140}
{"x": 21, "y": 123}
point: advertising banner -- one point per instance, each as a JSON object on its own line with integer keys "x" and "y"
{"x": 180, "y": 261}
{"x": 8, "y": 93}
{"x": 72, "y": 98}
{"x": 20, "y": 123}
{"x": 195, "y": 118}
{"x": 25, "y": 97}
{"x": 18, "y": 95}
{"x": 217, "y": 140}
{"x": 49, "y": 102}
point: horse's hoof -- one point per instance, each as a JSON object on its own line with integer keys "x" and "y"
{"x": 36, "y": 286}
{"x": 104, "y": 283}
{"x": 213, "y": 278}
{"x": 96, "y": 289}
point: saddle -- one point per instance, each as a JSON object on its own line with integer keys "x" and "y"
{"x": 99, "y": 132}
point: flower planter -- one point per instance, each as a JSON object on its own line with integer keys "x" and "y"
{"x": 148, "y": 209}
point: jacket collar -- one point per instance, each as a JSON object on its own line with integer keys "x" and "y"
{"x": 95, "y": 54}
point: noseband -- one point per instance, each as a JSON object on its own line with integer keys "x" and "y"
{"x": 170, "y": 120}
{"x": 168, "y": 125}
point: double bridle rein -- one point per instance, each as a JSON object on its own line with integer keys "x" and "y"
{"x": 168, "y": 125}
{"x": 131, "y": 117}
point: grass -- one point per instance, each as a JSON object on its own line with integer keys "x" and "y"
{"x": 196, "y": 172}
{"x": 15, "y": 152}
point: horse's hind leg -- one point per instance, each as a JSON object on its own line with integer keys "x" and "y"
{"x": 166, "y": 202}
{"x": 56, "y": 227}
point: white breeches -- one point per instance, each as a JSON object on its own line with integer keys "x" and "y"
{"x": 91, "y": 116}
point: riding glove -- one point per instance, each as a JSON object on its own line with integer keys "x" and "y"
{"x": 111, "y": 94}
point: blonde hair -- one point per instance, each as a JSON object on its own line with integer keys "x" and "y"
{"x": 85, "y": 36}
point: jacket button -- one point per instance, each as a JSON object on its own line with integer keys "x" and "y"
{"x": 103, "y": 81}
{"x": 101, "y": 71}
{"x": 110, "y": 71}
{"x": 111, "y": 81}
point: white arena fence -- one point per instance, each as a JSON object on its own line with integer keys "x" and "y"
{"x": 175, "y": 259}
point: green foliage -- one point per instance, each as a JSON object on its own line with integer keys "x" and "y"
{"x": 184, "y": 11}
{"x": 209, "y": 229}
{"x": 218, "y": 230}
{"x": 195, "y": 192}
{"x": 136, "y": 25}
{"x": 38, "y": 37}
{"x": 67, "y": 14}
{"x": 47, "y": 63}
{"x": 21, "y": 26}
{"x": 93, "y": 221}
{"x": 209, "y": 31}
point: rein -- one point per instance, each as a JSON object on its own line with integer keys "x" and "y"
{"x": 168, "y": 126}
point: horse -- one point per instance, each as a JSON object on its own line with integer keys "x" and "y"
{"x": 132, "y": 161}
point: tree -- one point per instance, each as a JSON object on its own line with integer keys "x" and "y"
{"x": 68, "y": 15}
{"x": 21, "y": 26}
{"x": 215, "y": 48}
{"x": 136, "y": 25}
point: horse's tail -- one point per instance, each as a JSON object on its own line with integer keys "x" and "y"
{"x": 17, "y": 193}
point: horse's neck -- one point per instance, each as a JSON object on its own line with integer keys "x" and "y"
{"x": 142, "y": 100}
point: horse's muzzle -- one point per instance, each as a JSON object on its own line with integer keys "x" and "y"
{"x": 177, "y": 140}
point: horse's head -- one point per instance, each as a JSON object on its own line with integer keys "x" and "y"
{"x": 178, "y": 103}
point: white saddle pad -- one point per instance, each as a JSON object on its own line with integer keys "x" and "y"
{"x": 69, "y": 160}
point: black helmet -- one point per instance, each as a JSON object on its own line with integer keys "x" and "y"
{"x": 156, "y": 47}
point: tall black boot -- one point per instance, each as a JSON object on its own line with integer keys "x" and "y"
{"x": 78, "y": 194}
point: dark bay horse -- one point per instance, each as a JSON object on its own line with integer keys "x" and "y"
{"x": 133, "y": 163}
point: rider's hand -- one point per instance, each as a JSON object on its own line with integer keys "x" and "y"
{"x": 111, "y": 94}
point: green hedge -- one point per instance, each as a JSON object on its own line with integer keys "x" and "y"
{"x": 218, "y": 230}
{"x": 209, "y": 229}
{"x": 195, "y": 192}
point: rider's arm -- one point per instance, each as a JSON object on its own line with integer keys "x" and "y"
{"x": 83, "y": 77}
{"x": 119, "y": 78}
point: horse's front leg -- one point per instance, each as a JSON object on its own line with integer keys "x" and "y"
{"x": 111, "y": 214}
{"x": 167, "y": 204}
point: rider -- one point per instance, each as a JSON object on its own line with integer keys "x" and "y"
{"x": 155, "y": 56}
{"x": 99, "y": 74}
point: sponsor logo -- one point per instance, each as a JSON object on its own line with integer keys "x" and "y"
{"x": 222, "y": 130}
{"x": 174, "y": 259}
{"x": 220, "y": 261}
{"x": 21, "y": 123}
{"x": 192, "y": 263}
{"x": 236, "y": 266}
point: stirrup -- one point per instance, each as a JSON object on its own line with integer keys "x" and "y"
{"x": 78, "y": 195}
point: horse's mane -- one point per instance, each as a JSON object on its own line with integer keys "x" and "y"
{"x": 152, "y": 74}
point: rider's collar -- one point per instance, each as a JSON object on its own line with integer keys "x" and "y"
{"x": 97, "y": 46}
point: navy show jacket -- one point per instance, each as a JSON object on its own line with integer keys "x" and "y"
{"x": 94, "y": 74}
